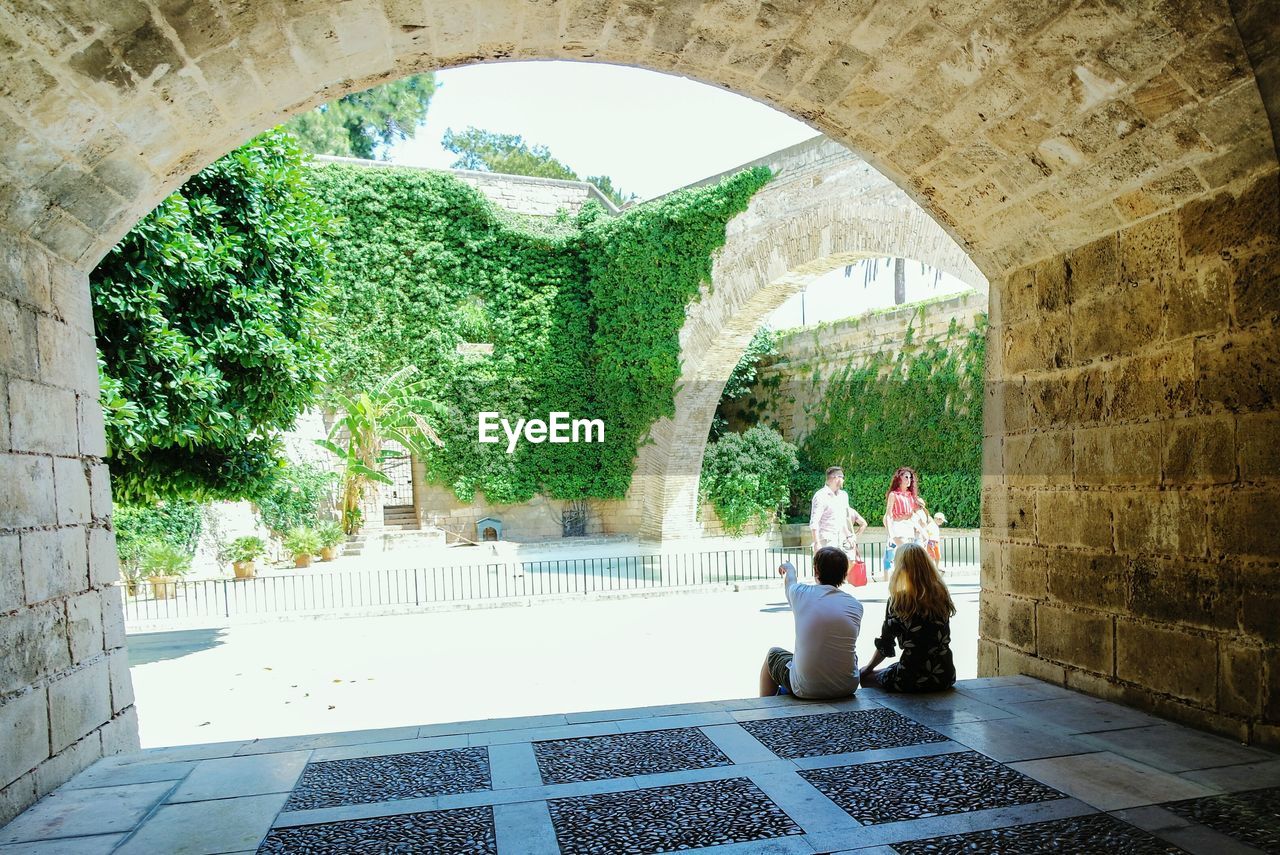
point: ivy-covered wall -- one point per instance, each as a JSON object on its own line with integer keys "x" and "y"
{"x": 898, "y": 388}
{"x": 583, "y": 313}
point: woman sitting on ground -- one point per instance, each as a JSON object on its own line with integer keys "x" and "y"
{"x": 918, "y": 617}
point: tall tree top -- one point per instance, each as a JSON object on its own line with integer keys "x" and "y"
{"x": 365, "y": 124}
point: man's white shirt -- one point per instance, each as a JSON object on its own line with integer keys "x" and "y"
{"x": 827, "y": 624}
{"x": 829, "y": 515}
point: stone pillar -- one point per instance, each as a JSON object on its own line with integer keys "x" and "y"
{"x": 1133, "y": 456}
{"x": 65, "y": 694}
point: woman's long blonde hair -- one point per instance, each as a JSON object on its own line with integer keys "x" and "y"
{"x": 916, "y": 589}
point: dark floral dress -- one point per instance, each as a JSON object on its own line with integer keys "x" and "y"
{"x": 925, "y": 664}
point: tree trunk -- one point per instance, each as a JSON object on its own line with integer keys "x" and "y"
{"x": 899, "y": 281}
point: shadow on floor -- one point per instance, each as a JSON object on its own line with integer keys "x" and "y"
{"x": 148, "y": 647}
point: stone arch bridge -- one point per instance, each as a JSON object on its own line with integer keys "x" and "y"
{"x": 1110, "y": 167}
{"x": 825, "y": 208}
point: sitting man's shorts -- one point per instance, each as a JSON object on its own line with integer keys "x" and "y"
{"x": 779, "y": 664}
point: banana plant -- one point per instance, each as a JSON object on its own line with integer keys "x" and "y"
{"x": 393, "y": 410}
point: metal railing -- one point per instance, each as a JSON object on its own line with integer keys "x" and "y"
{"x": 321, "y": 590}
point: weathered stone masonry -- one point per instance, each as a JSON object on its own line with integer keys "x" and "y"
{"x": 64, "y": 672}
{"x": 1133, "y": 455}
{"x": 1110, "y": 166}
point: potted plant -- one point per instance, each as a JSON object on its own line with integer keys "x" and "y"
{"x": 303, "y": 542}
{"x": 243, "y": 551}
{"x": 132, "y": 576}
{"x": 161, "y": 565}
{"x": 331, "y": 534}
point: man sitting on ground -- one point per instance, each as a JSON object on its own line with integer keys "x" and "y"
{"x": 825, "y": 664}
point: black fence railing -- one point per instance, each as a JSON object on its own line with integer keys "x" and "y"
{"x": 322, "y": 590}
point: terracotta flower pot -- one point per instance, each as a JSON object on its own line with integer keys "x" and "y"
{"x": 328, "y": 553}
{"x": 244, "y": 569}
{"x": 302, "y": 561}
{"x": 163, "y": 587}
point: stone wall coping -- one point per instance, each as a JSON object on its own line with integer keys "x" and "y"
{"x": 772, "y": 159}
{"x": 480, "y": 175}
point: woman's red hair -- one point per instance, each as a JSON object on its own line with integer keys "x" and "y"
{"x": 897, "y": 482}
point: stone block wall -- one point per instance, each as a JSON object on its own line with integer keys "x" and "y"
{"x": 65, "y": 694}
{"x": 538, "y": 197}
{"x": 1133, "y": 448}
{"x": 805, "y": 164}
{"x": 1098, "y": 159}
{"x": 808, "y": 358}
{"x": 528, "y": 522}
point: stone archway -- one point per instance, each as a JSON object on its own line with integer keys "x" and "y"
{"x": 1111, "y": 168}
{"x": 825, "y": 208}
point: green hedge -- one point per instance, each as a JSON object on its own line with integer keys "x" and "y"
{"x": 919, "y": 407}
{"x": 583, "y": 314}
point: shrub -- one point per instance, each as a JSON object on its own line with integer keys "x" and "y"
{"x": 302, "y": 541}
{"x": 162, "y": 559}
{"x": 331, "y": 534}
{"x": 746, "y": 476}
{"x": 296, "y": 494}
{"x": 138, "y": 527}
{"x": 247, "y": 548}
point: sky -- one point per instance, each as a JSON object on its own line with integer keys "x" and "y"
{"x": 651, "y": 133}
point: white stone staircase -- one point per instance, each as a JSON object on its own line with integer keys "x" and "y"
{"x": 399, "y": 518}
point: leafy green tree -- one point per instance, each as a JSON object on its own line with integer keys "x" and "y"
{"x": 509, "y": 154}
{"x": 746, "y": 476}
{"x": 393, "y": 410}
{"x": 614, "y": 194}
{"x": 211, "y": 319}
{"x": 743, "y": 376}
{"x": 362, "y": 123}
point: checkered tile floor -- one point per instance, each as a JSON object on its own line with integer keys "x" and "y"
{"x": 999, "y": 765}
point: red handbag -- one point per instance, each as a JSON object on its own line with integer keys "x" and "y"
{"x": 858, "y": 571}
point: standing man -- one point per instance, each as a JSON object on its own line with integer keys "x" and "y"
{"x": 831, "y": 520}
{"x": 827, "y": 620}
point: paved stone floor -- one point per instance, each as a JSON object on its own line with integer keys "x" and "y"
{"x": 1005, "y": 764}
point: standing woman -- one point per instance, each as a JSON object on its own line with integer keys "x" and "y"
{"x": 918, "y": 617}
{"x": 901, "y": 503}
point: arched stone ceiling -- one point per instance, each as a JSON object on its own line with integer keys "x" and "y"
{"x": 1025, "y": 129}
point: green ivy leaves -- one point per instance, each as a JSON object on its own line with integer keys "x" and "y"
{"x": 583, "y": 314}
{"x": 922, "y": 408}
